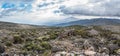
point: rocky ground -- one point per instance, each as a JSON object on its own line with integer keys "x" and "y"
{"x": 61, "y": 41}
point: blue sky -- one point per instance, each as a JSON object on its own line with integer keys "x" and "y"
{"x": 43, "y": 12}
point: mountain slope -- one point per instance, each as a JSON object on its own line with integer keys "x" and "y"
{"x": 96, "y": 21}
{"x": 8, "y": 25}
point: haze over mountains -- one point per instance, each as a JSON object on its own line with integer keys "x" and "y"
{"x": 95, "y": 21}
{"x": 68, "y": 22}
{"x": 106, "y": 23}
{"x": 8, "y": 25}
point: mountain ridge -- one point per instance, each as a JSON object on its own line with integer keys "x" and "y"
{"x": 13, "y": 25}
{"x": 95, "y": 21}
{"x": 83, "y": 22}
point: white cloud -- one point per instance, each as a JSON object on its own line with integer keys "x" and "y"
{"x": 95, "y": 8}
{"x": 42, "y": 11}
{"x": 70, "y": 3}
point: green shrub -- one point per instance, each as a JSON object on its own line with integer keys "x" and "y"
{"x": 106, "y": 33}
{"x": 28, "y": 40}
{"x": 47, "y": 53}
{"x": 45, "y": 39}
{"x": 33, "y": 46}
{"x": 81, "y": 32}
{"x": 17, "y": 39}
{"x": 8, "y": 43}
{"x": 42, "y": 46}
{"x": 45, "y": 45}
{"x": 53, "y": 36}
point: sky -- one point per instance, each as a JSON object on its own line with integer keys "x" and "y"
{"x": 45, "y": 12}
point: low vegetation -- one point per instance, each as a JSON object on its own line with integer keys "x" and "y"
{"x": 49, "y": 41}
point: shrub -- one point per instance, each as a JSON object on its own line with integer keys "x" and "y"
{"x": 47, "y": 53}
{"x": 34, "y": 47}
{"x": 8, "y": 43}
{"x": 28, "y": 40}
{"x": 17, "y": 39}
{"x": 42, "y": 46}
{"x": 45, "y": 39}
{"x": 53, "y": 36}
{"x": 81, "y": 32}
{"x": 45, "y": 45}
{"x": 106, "y": 33}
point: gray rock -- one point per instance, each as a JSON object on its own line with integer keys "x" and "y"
{"x": 2, "y": 48}
{"x": 56, "y": 49}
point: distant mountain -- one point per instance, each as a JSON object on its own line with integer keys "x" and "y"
{"x": 8, "y": 25}
{"x": 69, "y": 19}
{"x": 95, "y": 21}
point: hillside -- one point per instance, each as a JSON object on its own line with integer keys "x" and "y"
{"x": 96, "y": 21}
{"x": 32, "y": 40}
{"x": 10, "y": 25}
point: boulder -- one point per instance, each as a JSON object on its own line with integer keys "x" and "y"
{"x": 89, "y": 53}
{"x": 56, "y": 49}
{"x": 2, "y": 48}
{"x": 93, "y": 32}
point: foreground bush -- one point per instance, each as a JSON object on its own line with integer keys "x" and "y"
{"x": 17, "y": 39}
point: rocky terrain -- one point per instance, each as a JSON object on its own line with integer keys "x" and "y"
{"x": 75, "y": 40}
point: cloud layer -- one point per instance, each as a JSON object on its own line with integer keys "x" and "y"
{"x": 95, "y": 8}
{"x": 56, "y": 11}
